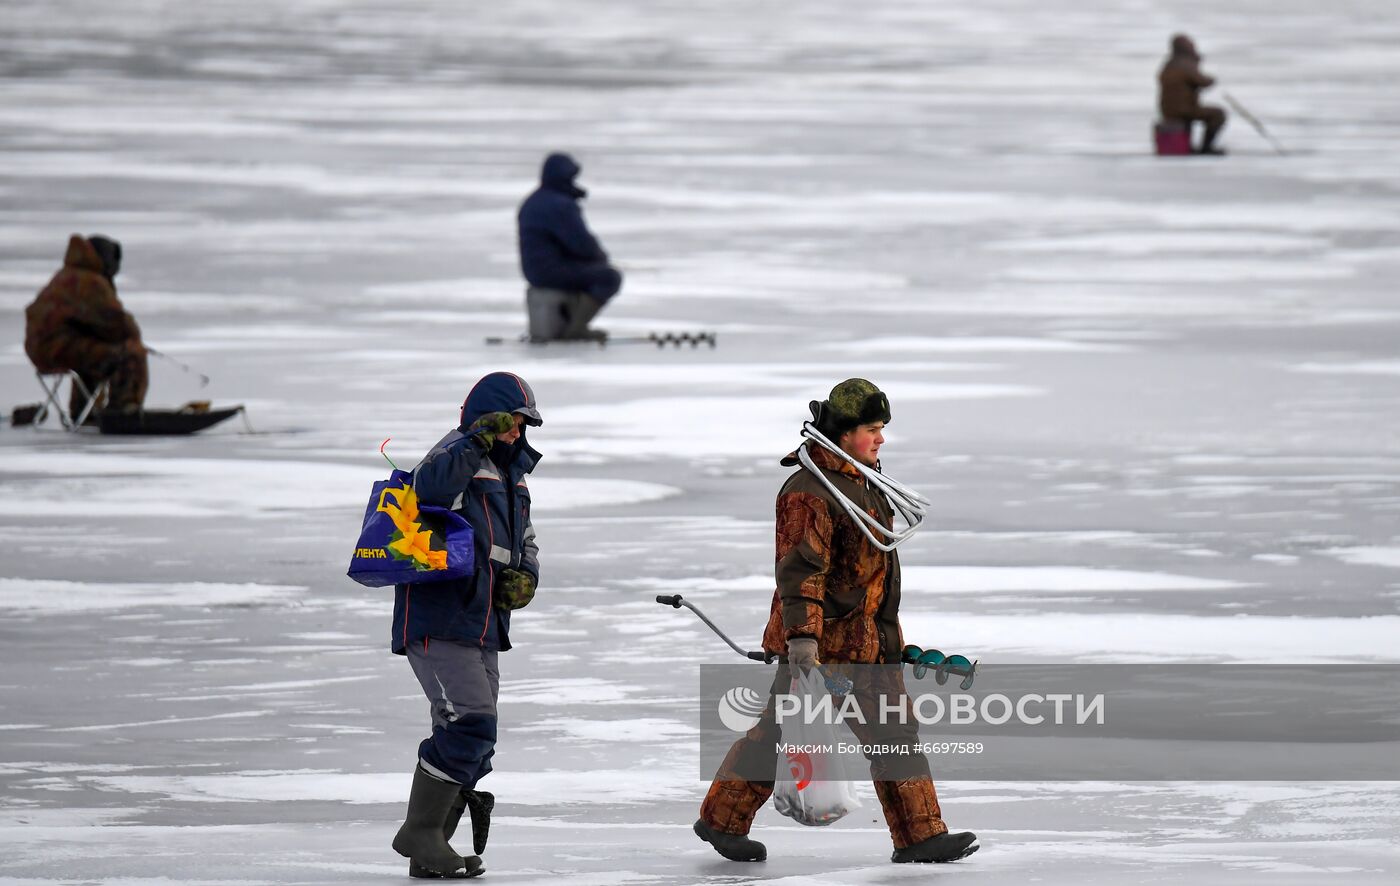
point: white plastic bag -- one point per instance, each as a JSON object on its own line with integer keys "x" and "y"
{"x": 812, "y": 785}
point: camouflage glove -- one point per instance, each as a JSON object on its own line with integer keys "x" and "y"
{"x": 490, "y": 426}
{"x": 802, "y": 653}
{"x": 514, "y": 589}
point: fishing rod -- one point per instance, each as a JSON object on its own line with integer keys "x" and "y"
{"x": 1253, "y": 121}
{"x": 203, "y": 379}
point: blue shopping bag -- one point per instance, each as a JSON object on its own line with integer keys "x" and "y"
{"x": 402, "y": 541}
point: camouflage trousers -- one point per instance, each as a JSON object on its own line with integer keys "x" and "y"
{"x": 902, "y": 779}
{"x": 122, "y": 364}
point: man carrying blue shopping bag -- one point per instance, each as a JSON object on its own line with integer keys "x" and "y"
{"x": 451, "y": 631}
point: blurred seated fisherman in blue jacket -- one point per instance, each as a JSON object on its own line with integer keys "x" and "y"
{"x": 569, "y": 274}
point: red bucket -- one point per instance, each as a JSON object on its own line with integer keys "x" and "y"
{"x": 1172, "y": 139}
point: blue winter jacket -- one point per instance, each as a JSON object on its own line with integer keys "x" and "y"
{"x": 459, "y": 473}
{"x": 555, "y": 244}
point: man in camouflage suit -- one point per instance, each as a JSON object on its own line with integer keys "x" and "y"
{"x": 837, "y": 602}
{"x": 77, "y": 323}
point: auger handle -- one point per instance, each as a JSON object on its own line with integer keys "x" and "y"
{"x": 675, "y": 601}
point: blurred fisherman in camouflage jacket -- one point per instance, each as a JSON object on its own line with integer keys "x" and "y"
{"x": 1181, "y": 82}
{"x": 77, "y": 323}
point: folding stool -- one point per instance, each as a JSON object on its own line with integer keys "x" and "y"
{"x": 52, "y": 383}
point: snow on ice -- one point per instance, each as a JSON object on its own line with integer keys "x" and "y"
{"x": 1153, "y": 401}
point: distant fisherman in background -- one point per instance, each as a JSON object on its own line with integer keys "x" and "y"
{"x": 78, "y": 324}
{"x": 569, "y": 274}
{"x": 1179, "y": 102}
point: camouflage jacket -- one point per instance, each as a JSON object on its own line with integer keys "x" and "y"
{"x": 833, "y": 584}
{"x": 1181, "y": 82}
{"x": 79, "y": 301}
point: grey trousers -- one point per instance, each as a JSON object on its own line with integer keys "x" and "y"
{"x": 462, "y": 683}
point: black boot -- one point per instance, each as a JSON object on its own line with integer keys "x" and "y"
{"x": 1208, "y": 148}
{"x": 449, "y": 827}
{"x": 480, "y": 804}
{"x": 944, "y": 847}
{"x": 421, "y": 839}
{"x": 735, "y": 847}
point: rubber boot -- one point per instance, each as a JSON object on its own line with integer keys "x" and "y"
{"x": 735, "y": 847}
{"x": 944, "y": 847}
{"x": 582, "y": 311}
{"x": 480, "y": 804}
{"x": 449, "y": 827}
{"x": 421, "y": 839}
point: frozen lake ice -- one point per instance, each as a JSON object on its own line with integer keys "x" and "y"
{"x": 1155, "y": 403}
